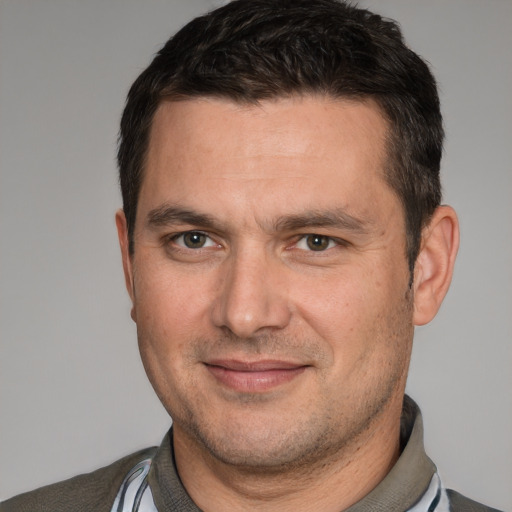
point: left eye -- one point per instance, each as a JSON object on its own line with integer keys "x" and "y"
{"x": 316, "y": 243}
{"x": 193, "y": 240}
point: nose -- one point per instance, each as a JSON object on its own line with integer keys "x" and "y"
{"x": 252, "y": 296}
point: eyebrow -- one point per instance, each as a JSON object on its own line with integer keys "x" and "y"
{"x": 337, "y": 218}
{"x": 166, "y": 214}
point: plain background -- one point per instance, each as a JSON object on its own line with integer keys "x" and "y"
{"x": 73, "y": 392}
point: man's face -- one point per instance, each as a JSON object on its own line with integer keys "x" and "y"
{"x": 269, "y": 278}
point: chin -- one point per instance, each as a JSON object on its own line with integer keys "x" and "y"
{"x": 269, "y": 446}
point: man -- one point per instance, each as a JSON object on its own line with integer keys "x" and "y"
{"x": 281, "y": 235}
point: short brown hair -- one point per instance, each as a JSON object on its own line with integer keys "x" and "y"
{"x": 252, "y": 50}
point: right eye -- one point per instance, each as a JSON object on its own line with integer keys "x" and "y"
{"x": 193, "y": 240}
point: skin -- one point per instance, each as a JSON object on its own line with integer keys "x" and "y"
{"x": 270, "y": 288}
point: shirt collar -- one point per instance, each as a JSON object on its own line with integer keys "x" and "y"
{"x": 410, "y": 477}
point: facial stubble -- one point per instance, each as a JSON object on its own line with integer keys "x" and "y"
{"x": 325, "y": 436}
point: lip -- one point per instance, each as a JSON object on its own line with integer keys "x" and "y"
{"x": 254, "y": 376}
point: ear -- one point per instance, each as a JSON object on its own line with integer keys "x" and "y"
{"x": 434, "y": 266}
{"x": 122, "y": 233}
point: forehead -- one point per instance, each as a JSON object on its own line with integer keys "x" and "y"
{"x": 324, "y": 115}
{"x": 309, "y": 148}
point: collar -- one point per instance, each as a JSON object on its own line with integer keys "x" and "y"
{"x": 410, "y": 477}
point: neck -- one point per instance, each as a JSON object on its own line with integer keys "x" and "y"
{"x": 331, "y": 484}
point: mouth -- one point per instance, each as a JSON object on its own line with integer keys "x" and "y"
{"x": 254, "y": 376}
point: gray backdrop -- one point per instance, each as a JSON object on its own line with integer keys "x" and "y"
{"x": 73, "y": 392}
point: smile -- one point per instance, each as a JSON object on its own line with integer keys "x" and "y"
{"x": 253, "y": 377}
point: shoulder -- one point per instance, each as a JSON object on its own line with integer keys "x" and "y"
{"x": 92, "y": 491}
{"x": 459, "y": 503}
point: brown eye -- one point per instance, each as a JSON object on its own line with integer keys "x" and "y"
{"x": 194, "y": 239}
{"x": 318, "y": 242}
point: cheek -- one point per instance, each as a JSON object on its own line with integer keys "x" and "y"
{"x": 335, "y": 302}
{"x": 169, "y": 308}
{"x": 353, "y": 311}
{"x": 169, "y": 316}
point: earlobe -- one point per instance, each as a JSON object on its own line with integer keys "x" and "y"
{"x": 434, "y": 266}
{"x": 122, "y": 233}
